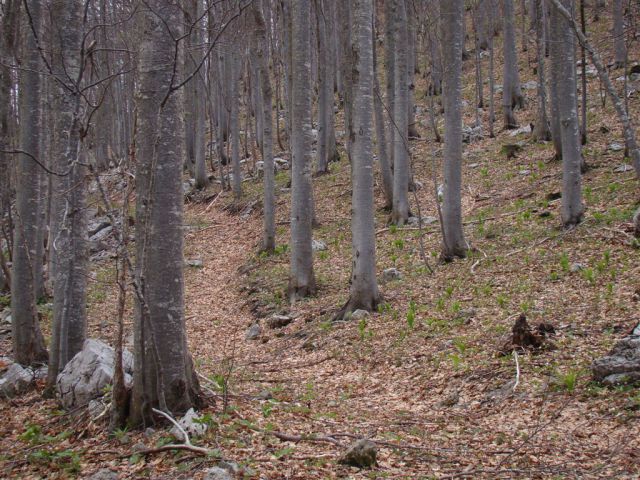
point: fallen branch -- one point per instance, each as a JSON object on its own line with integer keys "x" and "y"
{"x": 515, "y": 356}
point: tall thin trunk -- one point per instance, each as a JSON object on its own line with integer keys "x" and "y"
{"x": 619, "y": 44}
{"x": 234, "y": 125}
{"x": 541, "y": 130}
{"x": 164, "y": 376}
{"x": 585, "y": 94}
{"x": 325, "y": 89}
{"x": 262, "y": 52}
{"x": 301, "y": 277}
{"x": 511, "y": 93}
{"x": 555, "y": 77}
{"x": 364, "y": 288}
{"x": 453, "y": 242}
{"x": 28, "y": 343}
{"x": 563, "y": 60}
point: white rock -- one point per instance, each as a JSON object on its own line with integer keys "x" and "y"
{"x": 359, "y": 314}
{"x": 318, "y": 245}
{"x": 15, "y": 381}
{"x": 530, "y": 85}
{"x": 189, "y": 424}
{"x": 89, "y": 372}
{"x": 623, "y": 168}
{"x": 391, "y": 274}
{"x": 217, "y": 473}
{"x": 526, "y": 129}
{"x": 616, "y": 147}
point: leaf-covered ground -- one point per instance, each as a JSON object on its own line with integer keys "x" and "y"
{"x": 421, "y": 377}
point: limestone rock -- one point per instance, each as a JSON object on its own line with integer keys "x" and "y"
{"x": 622, "y": 365}
{"x": 361, "y": 454}
{"x": 89, "y": 372}
{"x": 390, "y": 274}
{"x": 190, "y": 424}
{"x": 279, "y": 321}
{"x": 15, "y": 381}
{"x": 318, "y": 246}
{"x": 103, "y": 474}
{"x": 253, "y": 332}
{"x": 359, "y": 314}
{"x": 217, "y": 473}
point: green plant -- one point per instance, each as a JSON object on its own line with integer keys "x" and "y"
{"x": 589, "y": 275}
{"x": 502, "y": 300}
{"x": 411, "y": 315}
{"x": 65, "y": 460}
{"x": 567, "y": 381}
{"x": 564, "y": 263}
{"x": 399, "y": 243}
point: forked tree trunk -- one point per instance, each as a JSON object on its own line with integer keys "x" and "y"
{"x": 164, "y": 376}
{"x": 28, "y": 343}
{"x": 301, "y": 277}
{"x": 453, "y": 243}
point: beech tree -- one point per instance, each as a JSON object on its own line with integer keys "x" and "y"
{"x": 164, "y": 377}
{"x": 453, "y": 241}
{"x": 301, "y": 277}
{"x": 619, "y": 43}
{"x": 364, "y": 288}
{"x": 563, "y": 63}
{"x": 28, "y": 342}
{"x": 511, "y": 93}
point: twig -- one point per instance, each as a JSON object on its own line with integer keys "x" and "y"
{"x": 515, "y": 356}
{"x": 176, "y": 424}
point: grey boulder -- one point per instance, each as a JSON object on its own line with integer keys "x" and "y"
{"x": 622, "y": 364}
{"x": 361, "y": 454}
{"x": 15, "y": 381}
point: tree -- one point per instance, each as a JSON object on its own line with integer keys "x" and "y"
{"x": 261, "y": 52}
{"x": 619, "y": 44}
{"x": 453, "y": 242}
{"x": 301, "y": 277}
{"x": 234, "y": 124}
{"x": 541, "y": 130}
{"x": 325, "y": 89}
{"x": 511, "y": 93}
{"x": 69, "y": 246}
{"x": 563, "y": 62}
{"x": 400, "y": 210}
{"x": 164, "y": 377}
{"x": 364, "y": 287}
{"x": 28, "y": 343}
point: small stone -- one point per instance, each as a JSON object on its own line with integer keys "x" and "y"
{"x": 139, "y": 447}
{"x": 264, "y": 395}
{"x": 318, "y": 246}
{"x": 103, "y": 474}
{"x": 359, "y": 314}
{"x": 576, "y": 267}
{"x": 361, "y": 454}
{"x": 253, "y": 332}
{"x": 624, "y": 167}
{"x": 229, "y": 466}
{"x": 5, "y": 317}
{"x": 616, "y": 147}
{"x": 530, "y": 85}
{"x": 390, "y": 274}
{"x": 217, "y": 473}
{"x": 473, "y": 165}
{"x": 95, "y": 408}
{"x": 524, "y": 172}
{"x": 124, "y": 439}
{"x": 149, "y": 432}
{"x": 190, "y": 424}
{"x": 279, "y": 321}
{"x": 466, "y": 314}
{"x": 526, "y": 129}
{"x": 194, "y": 262}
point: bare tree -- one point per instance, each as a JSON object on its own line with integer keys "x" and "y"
{"x": 453, "y": 242}
{"x": 164, "y": 376}
{"x": 563, "y": 62}
{"x": 541, "y": 130}
{"x": 301, "y": 277}
{"x": 364, "y": 288}
{"x": 28, "y": 343}
{"x": 619, "y": 44}
{"x": 511, "y": 93}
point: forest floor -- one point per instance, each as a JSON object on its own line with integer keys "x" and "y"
{"x": 421, "y": 377}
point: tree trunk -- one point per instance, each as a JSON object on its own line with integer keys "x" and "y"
{"x": 301, "y": 278}
{"x": 325, "y": 90}
{"x": 234, "y": 125}
{"x": 269, "y": 238}
{"x": 69, "y": 251}
{"x": 400, "y": 211}
{"x": 389, "y": 68}
{"x": 555, "y": 51}
{"x": 164, "y": 376}
{"x": 511, "y": 93}
{"x": 28, "y": 343}
{"x": 453, "y": 244}
{"x": 563, "y": 61}
{"x": 364, "y": 287}
{"x": 619, "y": 44}
{"x": 541, "y": 130}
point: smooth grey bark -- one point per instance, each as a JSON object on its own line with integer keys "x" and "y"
{"x": 199, "y": 91}
{"x": 302, "y": 281}
{"x": 381, "y": 136}
{"x": 583, "y": 66}
{"x": 619, "y": 44}
{"x": 325, "y": 89}
{"x": 563, "y": 61}
{"x": 435, "y": 51}
{"x": 453, "y": 242}
{"x": 411, "y": 70}
{"x": 364, "y": 288}
{"x": 234, "y": 125}
{"x": 346, "y": 66}
{"x": 555, "y": 51}
{"x": 69, "y": 246}
{"x": 623, "y": 117}
{"x": 400, "y": 209}
{"x": 511, "y": 93}
{"x": 164, "y": 376}
{"x": 541, "y": 131}
{"x": 492, "y": 76}
{"x": 261, "y": 53}
{"x": 28, "y": 342}
{"x": 389, "y": 69}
